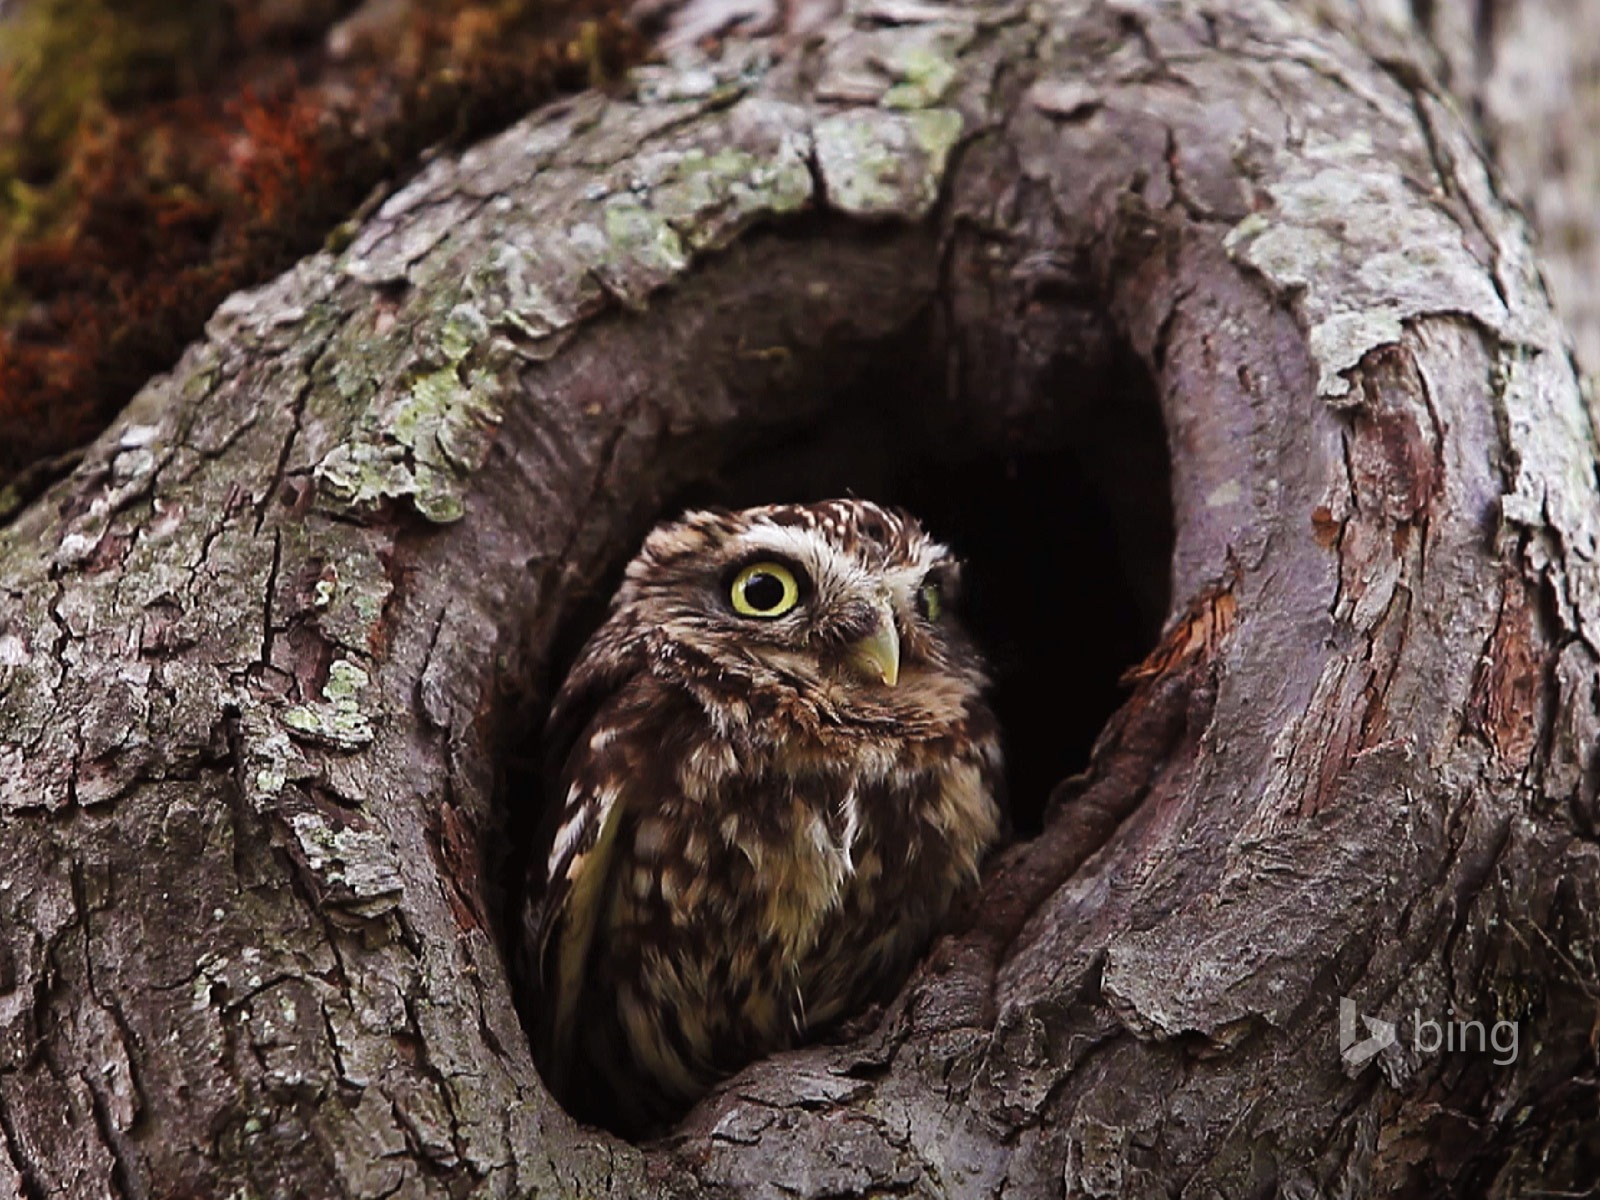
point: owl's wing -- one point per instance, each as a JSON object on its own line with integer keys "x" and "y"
{"x": 581, "y": 741}
{"x": 610, "y": 658}
{"x": 578, "y": 870}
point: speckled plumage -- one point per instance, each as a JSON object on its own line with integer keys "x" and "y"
{"x": 763, "y": 820}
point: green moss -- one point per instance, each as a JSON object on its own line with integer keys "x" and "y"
{"x": 350, "y": 596}
{"x": 339, "y": 721}
{"x": 708, "y": 197}
{"x": 926, "y": 73}
{"x": 635, "y": 233}
{"x": 866, "y": 165}
{"x": 359, "y": 860}
{"x": 936, "y": 132}
{"x": 423, "y": 442}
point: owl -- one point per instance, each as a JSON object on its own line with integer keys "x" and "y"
{"x": 777, "y": 774}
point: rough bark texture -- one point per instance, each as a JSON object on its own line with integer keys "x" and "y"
{"x": 269, "y": 659}
{"x": 1529, "y": 70}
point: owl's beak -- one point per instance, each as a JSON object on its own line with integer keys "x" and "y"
{"x": 877, "y": 656}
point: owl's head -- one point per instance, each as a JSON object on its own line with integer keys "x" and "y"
{"x": 844, "y": 600}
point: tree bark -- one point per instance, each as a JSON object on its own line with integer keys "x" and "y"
{"x": 1526, "y": 69}
{"x": 271, "y": 658}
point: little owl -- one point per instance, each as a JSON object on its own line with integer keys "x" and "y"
{"x": 777, "y": 774}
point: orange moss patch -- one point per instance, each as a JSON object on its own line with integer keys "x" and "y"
{"x": 133, "y": 201}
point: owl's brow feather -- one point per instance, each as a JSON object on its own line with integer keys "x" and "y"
{"x": 853, "y": 525}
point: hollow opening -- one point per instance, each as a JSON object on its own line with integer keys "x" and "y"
{"x": 1066, "y": 532}
{"x": 1063, "y": 517}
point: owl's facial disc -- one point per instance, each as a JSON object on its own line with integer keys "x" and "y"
{"x": 816, "y": 601}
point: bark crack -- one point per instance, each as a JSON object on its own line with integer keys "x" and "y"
{"x": 1444, "y": 167}
{"x": 268, "y": 591}
{"x": 441, "y": 1084}
{"x": 126, "y": 1176}
{"x": 297, "y": 411}
{"x": 215, "y": 530}
{"x": 1192, "y": 208}
{"x": 58, "y": 648}
{"x": 122, "y": 1165}
{"x": 32, "y": 1182}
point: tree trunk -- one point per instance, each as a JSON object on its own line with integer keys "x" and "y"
{"x": 271, "y": 659}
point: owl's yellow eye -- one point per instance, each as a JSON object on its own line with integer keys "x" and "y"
{"x": 930, "y": 599}
{"x": 764, "y": 589}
